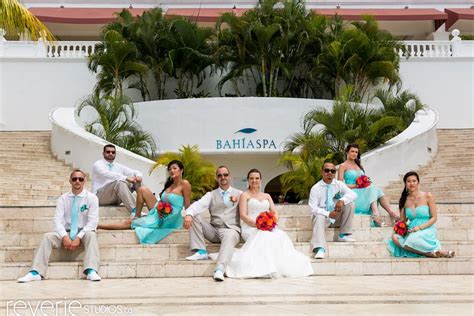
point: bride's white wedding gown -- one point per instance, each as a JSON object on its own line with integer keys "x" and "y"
{"x": 266, "y": 254}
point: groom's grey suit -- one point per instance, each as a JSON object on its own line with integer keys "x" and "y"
{"x": 224, "y": 226}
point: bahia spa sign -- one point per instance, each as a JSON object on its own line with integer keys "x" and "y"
{"x": 243, "y": 139}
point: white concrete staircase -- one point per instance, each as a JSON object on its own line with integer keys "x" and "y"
{"x": 23, "y": 222}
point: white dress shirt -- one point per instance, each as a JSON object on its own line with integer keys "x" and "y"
{"x": 88, "y": 217}
{"x": 102, "y": 173}
{"x": 203, "y": 203}
{"x": 317, "y": 196}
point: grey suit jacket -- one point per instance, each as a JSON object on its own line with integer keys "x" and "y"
{"x": 225, "y": 215}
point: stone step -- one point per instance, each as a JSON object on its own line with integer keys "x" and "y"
{"x": 283, "y": 209}
{"x": 205, "y": 268}
{"x": 122, "y": 237}
{"x": 160, "y": 252}
{"x": 45, "y": 224}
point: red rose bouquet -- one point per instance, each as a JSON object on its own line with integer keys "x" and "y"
{"x": 363, "y": 182}
{"x": 400, "y": 228}
{"x": 266, "y": 221}
{"x": 164, "y": 209}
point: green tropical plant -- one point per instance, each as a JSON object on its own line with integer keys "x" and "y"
{"x": 115, "y": 60}
{"x": 357, "y": 54}
{"x": 403, "y": 105}
{"x": 116, "y": 124}
{"x": 270, "y": 46}
{"x": 15, "y": 18}
{"x": 198, "y": 171}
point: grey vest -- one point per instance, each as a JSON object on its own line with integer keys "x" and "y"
{"x": 223, "y": 215}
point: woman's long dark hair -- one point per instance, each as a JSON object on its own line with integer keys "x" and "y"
{"x": 357, "y": 160}
{"x": 169, "y": 181}
{"x": 403, "y": 197}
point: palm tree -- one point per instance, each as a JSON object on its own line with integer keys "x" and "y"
{"x": 115, "y": 60}
{"x": 403, "y": 105}
{"x": 357, "y": 54}
{"x": 198, "y": 171}
{"x": 15, "y": 18}
{"x": 115, "y": 123}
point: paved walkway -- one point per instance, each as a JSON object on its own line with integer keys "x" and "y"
{"x": 448, "y": 295}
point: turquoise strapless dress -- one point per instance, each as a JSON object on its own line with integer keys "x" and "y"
{"x": 423, "y": 240}
{"x": 151, "y": 228}
{"x": 365, "y": 196}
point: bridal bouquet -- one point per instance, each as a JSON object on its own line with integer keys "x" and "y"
{"x": 363, "y": 182}
{"x": 164, "y": 209}
{"x": 266, "y": 221}
{"x": 400, "y": 228}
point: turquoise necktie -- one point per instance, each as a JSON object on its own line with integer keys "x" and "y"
{"x": 225, "y": 197}
{"x": 74, "y": 218}
{"x": 329, "y": 198}
{"x": 110, "y": 166}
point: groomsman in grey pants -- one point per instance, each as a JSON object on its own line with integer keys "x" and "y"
{"x": 113, "y": 183}
{"x": 330, "y": 203}
{"x": 224, "y": 227}
{"x": 75, "y": 222}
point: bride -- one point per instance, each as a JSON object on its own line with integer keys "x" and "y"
{"x": 265, "y": 253}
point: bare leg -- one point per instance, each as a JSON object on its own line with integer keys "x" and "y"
{"x": 376, "y": 214}
{"x": 124, "y": 224}
{"x": 145, "y": 196}
{"x": 386, "y": 205}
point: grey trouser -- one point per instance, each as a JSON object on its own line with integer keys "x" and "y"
{"x": 54, "y": 240}
{"x": 116, "y": 192}
{"x": 321, "y": 222}
{"x": 228, "y": 238}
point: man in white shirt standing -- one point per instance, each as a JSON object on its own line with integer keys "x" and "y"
{"x": 113, "y": 183}
{"x": 75, "y": 222}
{"x": 224, "y": 227}
{"x": 330, "y": 203}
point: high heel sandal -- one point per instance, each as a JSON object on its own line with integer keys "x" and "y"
{"x": 436, "y": 254}
{"x": 449, "y": 254}
{"x": 378, "y": 221}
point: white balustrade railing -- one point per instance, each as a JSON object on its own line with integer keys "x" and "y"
{"x": 70, "y": 49}
{"x": 426, "y": 49}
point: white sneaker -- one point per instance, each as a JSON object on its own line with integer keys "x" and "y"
{"x": 218, "y": 275}
{"x": 29, "y": 277}
{"x": 197, "y": 256}
{"x": 93, "y": 276}
{"x": 320, "y": 254}
{"x": 346, "y": 238}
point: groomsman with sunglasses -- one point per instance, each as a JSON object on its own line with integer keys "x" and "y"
{"x": 75, "y": 223}
{"x": 330, "y": 203}
{"x": 113, "y": 183}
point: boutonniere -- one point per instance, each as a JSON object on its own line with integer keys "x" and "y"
{"x": 84, "y": 208}
{"x": 233, "y": 199}
{"x": 337, "y": 196}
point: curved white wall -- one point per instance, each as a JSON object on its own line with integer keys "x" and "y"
{"x": 414, "y": 147}
{"x": 71, "y": 143}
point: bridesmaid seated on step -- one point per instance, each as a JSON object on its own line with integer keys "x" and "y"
{"x": 369, "y": 197}
{"x": 420, "y": 209}
{"x": 152, "y": 228}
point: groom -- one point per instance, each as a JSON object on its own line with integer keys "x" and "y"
{"x": 224, "y": 227}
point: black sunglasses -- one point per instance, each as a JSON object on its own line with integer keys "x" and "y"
{"x": 333, "y": 171}
{"x": 222, "y": 175}
{"x": 80, "y": 179}
{"x": 110, "y": 151}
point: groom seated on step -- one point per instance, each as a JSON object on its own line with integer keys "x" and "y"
{"x": 224, "y": 227}
{"x": 330, "y": 203}
{"x": 114, "y": 183}
{"x": 75, "y": 222}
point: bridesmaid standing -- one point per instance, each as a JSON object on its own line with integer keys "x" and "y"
{"x": 367, "y": 198}
{"x": 420, "y": 208}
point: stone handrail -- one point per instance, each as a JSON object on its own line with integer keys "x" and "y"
{"x": 70, "y": 49}
{"x": 426, "y": 49}
{"x": 72, "y": 144}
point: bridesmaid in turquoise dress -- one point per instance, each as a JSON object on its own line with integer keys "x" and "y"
{"x": 420, "y": 209}
{"x": 151, "y": 229}
{"x": 367, "y": 198}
